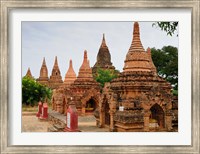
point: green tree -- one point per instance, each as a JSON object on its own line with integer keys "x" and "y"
{"x": 169, "y": 27}
{"x": 166, "y": 62}
{"x": 104, "y": 76}
{"x": 33, "y": 92}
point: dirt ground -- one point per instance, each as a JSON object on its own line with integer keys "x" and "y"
{"x": 30, "y": 123}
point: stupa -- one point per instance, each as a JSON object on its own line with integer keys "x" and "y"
{"x": 55, "y": 79}
{"x": 43, "y": 78}
{"x": 70, "y": 76}
{"x": 85, "y": 71}
{"x": 138, "y": 99}
{"x": 28, "y": 73}
{"x": 103, "y": 58}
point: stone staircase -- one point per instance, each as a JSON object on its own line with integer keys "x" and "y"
{"x": 57, "y": 120}
{"x": 55, "y": 128}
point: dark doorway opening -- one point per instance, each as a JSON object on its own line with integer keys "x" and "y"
{"x": 157, "y": 114}
{"x": 90, "y": 105}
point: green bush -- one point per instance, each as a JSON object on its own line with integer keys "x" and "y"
{"x": 33, "y": 92}
{"x": 104, "y": 76}
{"x": 175, "y": 92}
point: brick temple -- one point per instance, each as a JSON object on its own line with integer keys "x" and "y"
{"x": 137, "y": 100}
{"x": 84, "y": 91}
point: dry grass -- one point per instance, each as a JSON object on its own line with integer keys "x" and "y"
{"x": 28, "y": 108}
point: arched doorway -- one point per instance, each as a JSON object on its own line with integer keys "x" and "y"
{"x": 107, "y": 114}
{"x": 157, "y": 114}
{"x": 90, "y": 106}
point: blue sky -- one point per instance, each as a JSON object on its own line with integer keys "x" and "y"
{"x": 68, "y": 40}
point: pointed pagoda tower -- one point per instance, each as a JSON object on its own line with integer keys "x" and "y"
{"x": 103, "y": 58}
{"x": 55, "y": 78}
{"x": 28, "y": 73}
{"x": 43, "y": 78}
{"x": 138, "y": 95}
{"x": 85, "y": 71}
{"x": 136, "y": 58}
{"x": 70, "y": 76}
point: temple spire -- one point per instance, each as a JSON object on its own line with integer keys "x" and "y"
{"x": 103, "y": 44}
{"x": 85, "y": 63}
{"x": 43, "y": 78}
{"x": 70, "y": 63}
{"x": 85, "y": 71}
{"x": 85, "y": 55}
{"x": 70, "y": 75}
{"x": 136, "y": 44}
{"x": 28, "y": 74}
{"x": 55, "y": 78}
{"x": 103, "y": 58}
{"x": 136, "y": 58}
{"x": 44, "y": 62}
{"x": 56, "y": 61}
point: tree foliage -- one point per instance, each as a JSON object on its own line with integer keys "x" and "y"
{"x": 33, "y": 92}
{"x": 169, "y": 27}
{"x": 166, "y": 62}
{"x": 104, "y": 76}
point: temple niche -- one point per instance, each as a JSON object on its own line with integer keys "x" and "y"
{"x": 138, "y": 99}
{"x": 103, "y": 58}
